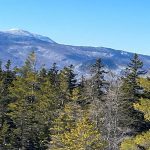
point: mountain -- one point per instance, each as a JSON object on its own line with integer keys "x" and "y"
{"x": 16, "y": 44}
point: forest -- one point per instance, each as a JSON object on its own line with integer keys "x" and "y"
{"x": 55, "y": 109}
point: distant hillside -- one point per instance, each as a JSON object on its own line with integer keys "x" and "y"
{"x": 17, "y": 44}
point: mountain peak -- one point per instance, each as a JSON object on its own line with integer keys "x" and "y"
{"x": 20, "y": 32}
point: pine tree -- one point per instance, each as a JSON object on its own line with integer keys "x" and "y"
{"x": 23, "y": 93}
{"x": 97, "y": 88}
{"x": 6, "y": 78}
{"x": 30, "y": 64}
{"x": 73, "y": 130}
{"x": 42, "y": 74}
{"x": 141, "y": 141}
{"x": 30, "y": 108}
{"x": 98, "y": 81}
{"x": 53, "y": 75}
{"x": 68, "y": 83}
{"x": 131, "y": 92}
{"x": 132, "y": 74}
{"x": 80, "y": 94}
{"x": 72, "y": 81}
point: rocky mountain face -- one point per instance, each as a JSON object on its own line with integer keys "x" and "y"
{"x": 17, "y": 44}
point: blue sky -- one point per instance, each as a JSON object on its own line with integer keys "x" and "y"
{"x": 119, "y": 24}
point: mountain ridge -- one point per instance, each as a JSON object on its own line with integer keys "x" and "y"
{"x": 17, "y": 44}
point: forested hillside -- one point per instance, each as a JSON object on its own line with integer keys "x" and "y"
{"x": 52, "y": 109}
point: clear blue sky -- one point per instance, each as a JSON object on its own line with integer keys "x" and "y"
{"x": 119, "y": 24}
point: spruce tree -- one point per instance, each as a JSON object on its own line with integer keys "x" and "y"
{"x": 72, "y": 81}
{"x": 131, "y": 88}
{"x": 80, "y": 94}
{"x": 98, "y": 81}
{"x": 68, "y": 82}
{"x": 43, "y": 73}
{"x": 74, "y": 130}
{"x": 21, "y": 109}
{"x": 97, "y": 86}
{"x": 142, "y": 140}
{"x": 30, "y": 108}
{"x": 30, "y": 64}
{"x": 133, "y": 72}
{"x": 53, "y": 75}
{"x": 6, "y": 78}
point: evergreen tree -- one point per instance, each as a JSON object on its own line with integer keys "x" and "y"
{"x": 30, "y": 64}
{"x": 42, "y": 74}
{"x": 72, "y": 81}
{"x": 97, "y": 89}
{"x": 140, "y": 141}
{"x": 30, "y": 109}
{"x": 80, "y": 94}
{"x": 131, "y": 92}
{"x": 6, "y": 78}
{"x": 53, "y": 75}
{"x": 23, "y": 95}
{"x": 98, "y": 81}
{"x": 132, "y": 74}
{"x": 73, "y": 130}
{"x": 68, "y": 82}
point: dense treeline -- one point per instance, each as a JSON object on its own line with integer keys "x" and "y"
{"x": 49, "y": 109}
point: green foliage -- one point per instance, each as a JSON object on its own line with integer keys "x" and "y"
{"x": 98, "y": 81}
{"x": 53, "y": 75}
{"x": 74, "y": 130}
{"x": 132, "y": 74}
{"x": 139, "y": 142}
{"x": 130, "y": 89}
{"x": 6, "y": 78}
{"x": 68, "y": 82}
{"x": 23, "y": 111}
{"x": 31, "y": 108}
{"x": 142, "y": 140}
{"x": 51, "y": 109}
{"x": 128, "y": 144}
{"x": 30, "y": 64}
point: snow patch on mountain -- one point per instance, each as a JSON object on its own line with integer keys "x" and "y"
{"x": 16, "y": 44}
{"x": 19, "y": 32}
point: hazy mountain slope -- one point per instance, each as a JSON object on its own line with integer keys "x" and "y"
{"x": 17, "y": 44}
